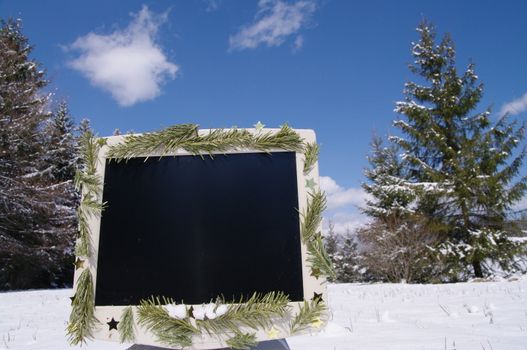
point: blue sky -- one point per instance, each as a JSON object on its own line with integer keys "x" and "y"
{"x": 334, "y": 66}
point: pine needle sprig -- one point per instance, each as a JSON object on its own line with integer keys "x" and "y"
{"x": 83, "y": 245}
{"x": 285, "y": 139}
{"x": 91, "y": 206}
{"x": 242, "y": 341}
{"x": 319, "y": 258}
{"x": 162, "y": 141}
{"x": 127, "y": 325}
{"x": 82, "y": 317}
{"x": 218, "y": 141}
{"x": 91, "y": 182}
{"x": 312, "y": 216}
{"x": 308, "y": 313}
{"x": 170, "y": 331}
{"x": 310, "y": 156}
{"x": 258, "y": 311}
{"x": 89, "y": 147}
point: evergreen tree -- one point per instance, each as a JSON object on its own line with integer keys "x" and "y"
{"x": 464, "y": 166}
{"x": 84, "y": 126}
{"x": 343, "y": 252}
{"x": 61, "y": 153}
{"x": 350, "y": 269}
{"x": 331, "y": 242}
{"x": 387, "y": 183}
{"x": 33, "y": 253}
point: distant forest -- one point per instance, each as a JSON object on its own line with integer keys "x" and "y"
{"x": 443, "y": 193}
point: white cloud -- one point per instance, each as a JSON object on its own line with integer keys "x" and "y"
{"x": 515, "y": 107}
{"x": 338, "y": 196}
{"x": 344, "y": 222}
{"x": 275, "y": 21}
{"x": 127, "y": 63}
{"x": 212, "y": 5}
{"x": 299, "y": 42}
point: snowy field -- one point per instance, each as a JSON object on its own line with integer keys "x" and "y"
{"x": 482, "y": 316}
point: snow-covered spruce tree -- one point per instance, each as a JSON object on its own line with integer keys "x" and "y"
{"x": 467, "y": 168}
{"x": 331, "y": 242}
{"x": 343, "y": 252}
{"x": 387, "y": 183}
{"x": 62, "y": 158}
{"x": 397, "y": 241}
{"x": 350, "y": 269}
{"x": 61, "y": 146}
{"x": 31, "y": 251}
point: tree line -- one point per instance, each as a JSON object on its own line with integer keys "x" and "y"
{"x": 38, "y": 160}
{"x": 444, "y": 186}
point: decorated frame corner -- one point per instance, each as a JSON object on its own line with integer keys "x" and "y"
{"x": 161, "y": 322}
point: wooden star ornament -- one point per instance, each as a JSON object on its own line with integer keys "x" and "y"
{"x": 315, "y": 272}
{"x": 79, "y": 264}
{"x": 310, "y": 183}
{"x": 259, "y": 126}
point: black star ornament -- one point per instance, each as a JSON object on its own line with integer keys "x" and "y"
{"x": 112, "y": 324}
{"x": 317, "y": 297}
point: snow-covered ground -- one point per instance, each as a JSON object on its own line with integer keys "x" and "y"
{"x": 482, "y": 316}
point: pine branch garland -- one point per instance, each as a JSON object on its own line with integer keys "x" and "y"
{"x": 126, "y": 326}
{"x": 257, "y": 312}
{"x": 88, "y": 182}
{"x": 82, "y": 317}
{"x": 186, "y": 137}
{"x": 309, "y": 313}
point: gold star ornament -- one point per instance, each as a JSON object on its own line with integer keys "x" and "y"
{"x": 79, "y": 264}
{"x": 272, "y": 333}
{"x": 317, "y": 323}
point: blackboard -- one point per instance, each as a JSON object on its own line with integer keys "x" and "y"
{"x": 194, "y": 228}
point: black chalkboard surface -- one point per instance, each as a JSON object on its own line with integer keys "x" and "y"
{"x": 195, "y": 228}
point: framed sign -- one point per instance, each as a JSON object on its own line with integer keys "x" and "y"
{"x": 199, "y": 238}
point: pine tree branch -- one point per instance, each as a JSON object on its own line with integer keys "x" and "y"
{"x": 319, "y": 258}
{"x": 312, "y": 216}
{"x": 308, "y": 313}
{"x": 259, "y": 311}
{"x": 82, "y": 317}
{"x": 311, "y": 156}
{"x": 169, "y": 331}
{"x": 127, "y": 326}
{"x": 243, "y": 341}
